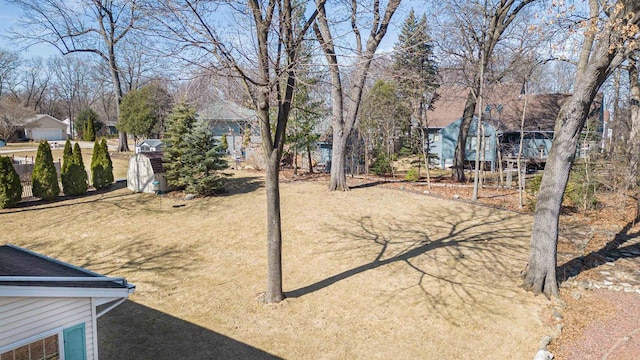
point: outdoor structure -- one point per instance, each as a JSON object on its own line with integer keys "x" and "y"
{"x": 49, "y": 309}
{"x": 44, "y": 127}
{"x": 146, "y": 173}
{"x": 503, "y": 116}
{"x": 150, "y": 145}
{"x": 230, "y": 119}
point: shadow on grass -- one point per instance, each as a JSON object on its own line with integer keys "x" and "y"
{"x": 134, "y": 331}
{"x": 242, "y": 185}
{"x": 64, "y": 201}
{"x": 455, "y": 254}
{"x": 610, "y": 252}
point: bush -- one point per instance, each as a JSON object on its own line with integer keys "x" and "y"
{"x": 74, "y": 175}
{"x": 101, "y": 165}
{"x": 44, "y": 177}
{"x": 381, "y": 165}
{"x": 412, "y": 175}
{"x": 579, "y": 192}
{"x": 10, "y": 187}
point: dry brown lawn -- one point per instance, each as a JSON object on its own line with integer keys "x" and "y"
{"x": 370, "y": 273}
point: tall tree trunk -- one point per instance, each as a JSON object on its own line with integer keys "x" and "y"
{"x": 309, "y": 158}
{"x": 123, "y": 144}
{"x": 338, "y": 161}
{"x": 467, "y": 116}
{"x": 274, "y": 291}
{"x": 540, "y": 276}
{"x": 634, "y": 136}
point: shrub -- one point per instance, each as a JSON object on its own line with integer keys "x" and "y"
{"x": 10, "y": 187}
{"x": 381, "y": 165}
{"x": 412, "y": 175}
{"x": 101, "y": 165}
{"x": 74, "y": 175}
{"x": 44, "y": 177}
{"x": 579, "y": 192}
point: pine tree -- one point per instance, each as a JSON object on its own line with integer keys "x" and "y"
{"x": 10, "y": 186}
{"x": 179, "y": 123}
{"x": 44, "y": 177}
{"x": 101, "y": 166}
{"x": 108, "y": 164}
{"x": 203, "y": 161}
{"x": 67, "y": 157}
{"x": 89, "y": 134}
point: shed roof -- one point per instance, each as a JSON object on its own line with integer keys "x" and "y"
{"x": 156, "y": 160}
{"x": 21, "y": 267}
{"x": 151, "y": 142}
{"x": 227, "y": 110}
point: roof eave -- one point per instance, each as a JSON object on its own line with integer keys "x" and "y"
{"x": 65, "y": 292}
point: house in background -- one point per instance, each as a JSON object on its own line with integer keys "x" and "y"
{"x": 230, "y": 119}
{"x": 49, "y": 309}
{"x": 146, "y": 173}
{"x": 149, "y": 145}
{"x": 503, "y": 111}
{"x": 44, "y": 127}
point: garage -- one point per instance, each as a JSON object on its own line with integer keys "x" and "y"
{"x": 47, "y": 134}
{"x": 45, "y": 127}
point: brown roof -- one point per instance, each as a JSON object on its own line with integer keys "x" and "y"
{"x": 15, "y": 261}
{"x": 542, "y": 109}
{"x": 155, "y": 157}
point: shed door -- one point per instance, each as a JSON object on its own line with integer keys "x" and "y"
{"x": 75, "y": 347}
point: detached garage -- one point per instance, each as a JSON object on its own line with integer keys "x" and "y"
{"x": 45, "y": 127}
{"x": 146, "y": 173}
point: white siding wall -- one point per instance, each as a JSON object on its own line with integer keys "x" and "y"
{"x": 21, "y": 318}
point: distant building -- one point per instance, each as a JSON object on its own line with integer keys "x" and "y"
{"x": 149, "y": 145}
{"x": 44, "y": 127}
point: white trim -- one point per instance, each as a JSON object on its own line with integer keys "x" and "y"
{"x": 102, "y": 301}
{"x": 46, "y": 291}
{"x": 110, "y": 307}
{"x": 34, "y": 338}
{"x": 94, "y": 328}
{"x": 119, "y": 280}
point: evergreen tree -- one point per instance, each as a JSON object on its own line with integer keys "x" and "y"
{"x": 203, "y": 161}
{"x": 88, "y": 124}
{"x": 108, "y": 164}
{"x": 179, "y": 123}
{"x": 10, "y": 186}
{"x": 67, "y": 158}
{"x": 44, "y": 177}
{"x": 224, "y": 144}
{"x": 101, "y": 166}
{"x": 76, "y": 174}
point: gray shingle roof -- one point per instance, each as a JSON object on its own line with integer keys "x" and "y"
{"x": 227, "y": 110}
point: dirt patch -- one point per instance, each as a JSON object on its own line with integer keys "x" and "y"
{"x": 398, "y": 274}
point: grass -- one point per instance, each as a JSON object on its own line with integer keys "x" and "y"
{"x": 370, "y": 273}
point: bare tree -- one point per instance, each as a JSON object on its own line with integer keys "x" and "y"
{"x": 609, "y": 33}
{"x": 273, "y": 41}
{"x": 345, "y": 103}
{"x": 85, "y": 26}
{"x": 474, "y": 30}
{"x": 9, "y": 64}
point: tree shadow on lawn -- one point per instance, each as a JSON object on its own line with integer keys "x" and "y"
{"x": 610, "y": 252}
{"x": 242, "y": 185}
{"x": 457, "y": 255}
{"x": 158, "y": 266}
{"x": 134, "y": 331}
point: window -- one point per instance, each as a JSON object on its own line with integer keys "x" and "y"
{"x": 47, "y": 348}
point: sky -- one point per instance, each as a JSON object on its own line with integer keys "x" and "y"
{"x": 9, "y": 14}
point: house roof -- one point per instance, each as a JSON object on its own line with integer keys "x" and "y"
{"x": 151, "y": 142}
{"x": 23, "y": 272}
{"x": 506, "y": 104}
{"x": 228, "y": 111}
{"x": 156, "y": 160}
{"x": 32, "y": 120}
